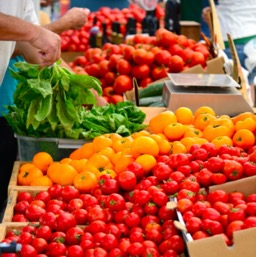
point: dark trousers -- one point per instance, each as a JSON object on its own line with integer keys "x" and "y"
{"x": 8, "y": 154}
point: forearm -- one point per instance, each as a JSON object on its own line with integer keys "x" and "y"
{"x": 75, "y": 18}
{"x": 15, "y": 29}
{"x": 58, "y": 26}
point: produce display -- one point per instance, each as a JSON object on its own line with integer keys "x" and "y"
{"x": 109, "y": 197}
{"x": 144, "y": 58}
{"x": 78, "y": 40}
{"x": 217, "y": 213}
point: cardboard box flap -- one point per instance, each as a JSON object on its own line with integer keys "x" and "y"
{"x": 216, "y": 247}
{"x": 245, "y": 186}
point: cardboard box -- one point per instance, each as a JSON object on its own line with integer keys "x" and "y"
{"x": 190, "y": 29}
{"x": 70, "y": 56}
{"x": 215, "y": 246}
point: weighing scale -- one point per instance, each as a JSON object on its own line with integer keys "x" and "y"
{"x": 219, "y": 91}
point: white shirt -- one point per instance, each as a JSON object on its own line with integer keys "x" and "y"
{"x": 237, "y": 17}
{"x": 23, "y": 9}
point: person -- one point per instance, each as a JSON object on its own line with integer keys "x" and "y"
{"x": 237, "y": 18}
{"x": 29, "y": 48}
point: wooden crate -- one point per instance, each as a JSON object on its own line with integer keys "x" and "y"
{"x": 14, "y": 178}
{"x": 6, "y": 227}
{"x": 12, "y": 200}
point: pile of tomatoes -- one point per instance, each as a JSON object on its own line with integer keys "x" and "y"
{"x": 78, "y": 40}
{"x": 122, "y": 216}
{"x": 217, "y": 213}
{"x": 145, "y": 58}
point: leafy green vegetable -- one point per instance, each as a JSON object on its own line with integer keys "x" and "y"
{"x": 50, "y": 102}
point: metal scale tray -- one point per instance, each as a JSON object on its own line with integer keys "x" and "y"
{"x": 219, "y": 91}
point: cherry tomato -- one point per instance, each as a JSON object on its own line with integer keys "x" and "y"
{"x": 127, "y": 180}
{"x": 233, "y": 169}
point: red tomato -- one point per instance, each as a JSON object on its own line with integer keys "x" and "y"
{"x": 176, "y": 64}
{"x": 162, "y": 57}
{"x": 20, "y": 207}
{"x": 234, "y": 226}
{"x": 96, "y": 213}
{"x": 122, "y": 84}
{"x": 233, "y": 169}
{"x": 142, "y": 197}
{"x": 24, "y": 196}
{"x": 221, "y": 207}
{"x": 177, "y": 244}
{"x": 170, "y": 253}
{"x": 197, "y": 58}
{"x": 116, "y": 98}
{"x": 135, "y": 249}
{"x": 249, "y": 222}
{"x": 136, "y": 168}
{"x": 27, "y": 250}
{"x": 132, "y": 219}
{"x": 75, "y": 204}
{"x": 40, "y": 244}
{"x": 159, "y": 72}
{"x": 204, "y": 177}
{"x": 55, "y": 191}
{"x": 159, "y": 198}
{"x": 199, "y": 235}
{"x": 218, "y": 178}
{"x": 212, "y": 227}
{"x": 214, "y": 164}
{"x": 193, "y": 225}
{"x": 34, "y": 212}
{"x": 75, "y": 250}
{"x": 25, "y": 238}
{"x": 211, "y": 213}
{"x": 162, "y": 171}
{"x": 177, "y": 160}
{"x": 116, "y": 252}
{"x": 115, "y": 202}
{"x": 184, "y": 205}
{"x": 218, "y": 195}
{"x": 55, "y": 249}
{"x": 44, "y": 231}
{"x": 198, "y": 208}
{"x": 74, "y": 235}
{"x": 140, "y": 71}
{"x": 236, "y": 214}
{"x": 65, "y": 221}
{"x": 127, "y": 180}
{"x": 69, "y": 192}
{"x": 150, "y": 252}
{"x": 43, "y": 196}
{"x": 170, "y": 187}
{"x": 123, "y": 67}
{"x": 109, "y": 242}
{"x": 249, "y": 168}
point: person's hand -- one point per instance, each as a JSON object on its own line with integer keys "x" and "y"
{"x": 205, "y": 14}
{"x": 48, "y": 45}
{"x": 76, "y": 17}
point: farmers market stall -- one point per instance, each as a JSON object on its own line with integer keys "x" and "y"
{"x": 166, "y": 169}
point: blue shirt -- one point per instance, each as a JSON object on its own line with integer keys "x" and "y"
{"x": 8, "y": 87}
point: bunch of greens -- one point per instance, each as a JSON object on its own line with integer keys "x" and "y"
{"x": 50, "y": 102}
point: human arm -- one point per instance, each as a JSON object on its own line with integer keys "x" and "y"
{"x": 74, "y": 18}
{"x": 46, "y": 42}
